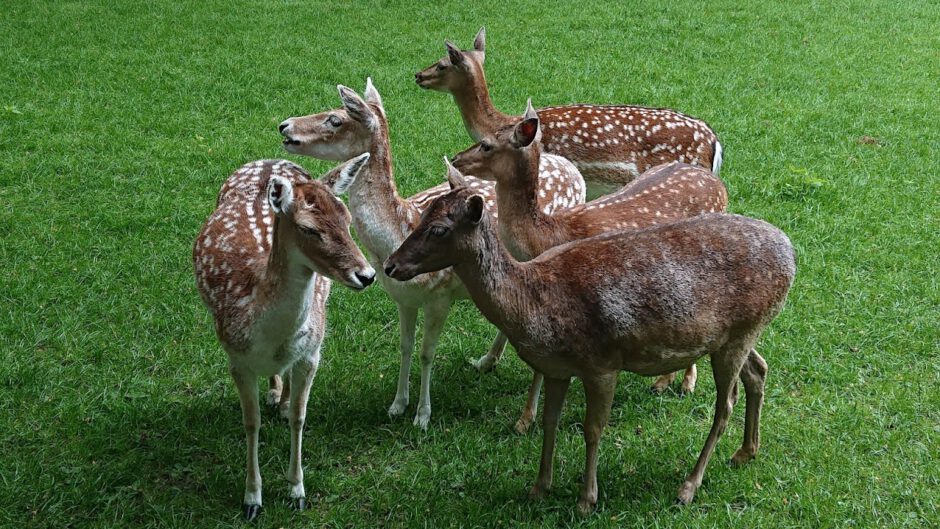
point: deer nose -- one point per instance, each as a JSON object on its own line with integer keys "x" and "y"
{"x": 389, "y": 269}
{"x": 283, "y": 126}
{"x": 366, "y": 277}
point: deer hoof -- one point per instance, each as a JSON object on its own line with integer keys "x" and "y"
{"x": 298, "y": 504}
{"x": 273, "y": 397}
{"x": 397, "y": 408}
{"x": 422, "y": 418}
{"x": 484, "y": 364}
{"x": 686, "y": 493}
{"x": 741, "y": 457}
{"x": 537, "y": 492}
{"x": 522, "y": 425}
{"x": 251, "y": 511}
{"x": 585, "y": 507}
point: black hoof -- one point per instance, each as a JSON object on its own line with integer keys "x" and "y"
{"x": 251, "y": 512}
{"x": 298, "y": 504}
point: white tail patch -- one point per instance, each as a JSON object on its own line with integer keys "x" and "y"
{"x": 716, "y": 161}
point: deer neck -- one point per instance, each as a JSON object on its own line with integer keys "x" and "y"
{"x": 522, "y": 225}
{"x": 497, "y": 283}
{"x": 285, "y": 290}
{"x": 476, "y": 108}
{"x": 381, "y": 218}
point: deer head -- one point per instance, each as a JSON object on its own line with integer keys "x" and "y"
{"x": 440, "y": 237}
{"x": 337, "y": 134}
{"x": 450, "y": 73}
{"x": 504, "y": 152}
{"x": 315, "y": 224}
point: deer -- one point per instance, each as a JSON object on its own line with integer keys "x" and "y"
{"x": 610, "y": 144}
{"x": 264, "y": 261}
{"x": 650, "y": 301}
{"x": 382, "y": 219}
{"x": 665, "y": 193}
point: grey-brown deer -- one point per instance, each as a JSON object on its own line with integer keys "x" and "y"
{"x": 610, "y": 144}
{"x": 263, "y": 263}
{"x": 383, "y": 219}
{"x": 666, "y": 193}
{"x": 649, "y": 301}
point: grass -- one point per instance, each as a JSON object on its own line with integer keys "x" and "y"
{"x": 119, "y": 121}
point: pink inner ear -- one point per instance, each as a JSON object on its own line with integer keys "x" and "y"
{"x": 528, "y": 128}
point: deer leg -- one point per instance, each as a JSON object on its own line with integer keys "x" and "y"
{"x": 274, "y": 390}
{"x": 753, "y": 374}
{"x": 662, "y": 383}
{"x": 531, "y": 404}
{"x": 488, "y": 361}
{"x": 251, "y": 417}
{"x": 434, "y": 317}
{"x": 284, "y": 405}
{"x": 599, "y": 394}
{"x": 726, "y": 364}
{"x": 688, "y": 380}
{"x": 555, "y": 390}
{"x": 301, "y": 375}
{"x": 407, "y": 323}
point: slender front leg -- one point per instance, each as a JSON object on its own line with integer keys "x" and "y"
{"x": 726, "y": 365}
{"x": 302, "y": 374}
{"x": 274, "y": 390}
{"x": 555, "y": 390}
{"x": 531, "y": 404}
{"x": 407, "y": 322}
{"x": 434, "y": 316}
{"x": 251, "y": 416}
{"x": 599, "y": 394}
{"x": 488, "y": 361}
{"x": 689, "y": 379}
{"x": 284, "y": 405}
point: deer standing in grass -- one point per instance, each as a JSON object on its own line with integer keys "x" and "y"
{"x": 383, "y": 219}
{"x": 649, "y": 301}
{"x": 262, "y": 262}
{"x": 610, "y": 144}
{"x": 510, "y": 156}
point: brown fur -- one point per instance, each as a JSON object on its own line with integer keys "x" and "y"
{"x": 649, "y": 301}
{"x": 610, "y": 144}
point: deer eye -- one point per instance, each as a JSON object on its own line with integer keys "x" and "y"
{"x": 309, "y": 232}
{"x": 334, "y": 121}
{"x": 439, "y": 231}
{"x": 440, "y": 67}
{"x": 485, "y": 147}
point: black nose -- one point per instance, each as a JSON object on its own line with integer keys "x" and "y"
{"x": 282, "y": 126}
{"x": 389, "y": 269}
{"x": 366, "y": 280}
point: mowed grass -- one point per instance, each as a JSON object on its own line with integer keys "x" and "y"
{"x": 119, "y": 121}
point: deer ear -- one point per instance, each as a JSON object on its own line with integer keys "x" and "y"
{"x": 474, "y": 209}
{"x": 454, "y": 177}
{"x": 356, "y": 107}
{"x": 372, "y": 95}
{"x": 528, "y": 130}
{"x": 479, "y": 43}
{"x": 280, "y": 194}
{"x": 343, "y": 175}
{"x": 454, "y": 53}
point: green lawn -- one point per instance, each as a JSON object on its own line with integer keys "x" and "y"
{"x": 119, "y": 122}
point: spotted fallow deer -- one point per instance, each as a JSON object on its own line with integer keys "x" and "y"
{"x": 666, "y": 193}
{"x": 610, "y": 144}
{"x": 262, "y": 263}
{"x": 648, "y": 301}
{"x": 383, "y": 219}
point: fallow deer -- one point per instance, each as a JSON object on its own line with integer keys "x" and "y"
{"x": 383, "y": 219}
{"x": 610, "y": 144}
{"x": 666, "y": 193}
{"x": 263, "y": 263}
{"x": 649, "y": 301}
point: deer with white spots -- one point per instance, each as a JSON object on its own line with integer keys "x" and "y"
{"x": 263, "y": 263}
{"x": 648, "y": 301}
{"x": 610, "y": 144}
{"x": 664, "y": 194}
{"x": 383, "y": 219}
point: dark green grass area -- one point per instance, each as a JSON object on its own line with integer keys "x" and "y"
{"x": 119, "y": 122}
